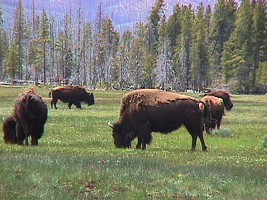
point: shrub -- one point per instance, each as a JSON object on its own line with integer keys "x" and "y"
{"x": 224, "y": 133}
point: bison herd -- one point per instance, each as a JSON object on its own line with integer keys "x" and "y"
{"x": 142, "y": 112}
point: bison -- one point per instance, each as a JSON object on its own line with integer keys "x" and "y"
{"x": 217, "y": 111}
{"x": 9, "y": 129}
{"x": 71, "y": 95}
{"x": 218, "y": 100}
{"x": 224, "y": 96}
{"x": 151, "y": 110}
{"x": 28, "y": 120}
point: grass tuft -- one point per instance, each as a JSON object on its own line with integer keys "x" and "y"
{"x": 226, "y": 132}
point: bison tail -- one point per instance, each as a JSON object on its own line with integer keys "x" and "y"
{"x": 49, "y": 94}
{"x": 205, "y": 107}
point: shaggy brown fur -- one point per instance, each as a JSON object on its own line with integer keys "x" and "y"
{"x": 149, "y": 110}
{"x": 9, "y": 129}
{"x": 217, "y": 110}
{"x": 224, "y": 96}
{"x": 30, "y": 114}
{"x": 150, "y": 97}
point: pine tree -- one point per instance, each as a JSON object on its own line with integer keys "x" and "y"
{"x": 259, "y": 41}
{"x": 3, "y": 43}
{"x": 20, "y": 38}
{"x": 174, "y": 27}
{"x": 238, "y": 59}
{"x": 183, "y": 52}
{"x": 107, "y": 44}
{"x": 137, "y": 55}
{"x": 122, "y": 72}
{"x": 200, "y": 61}
{"x": 87, "y": 53}
{"x": 164, "y": 74}
{"x": 223, "y": 23}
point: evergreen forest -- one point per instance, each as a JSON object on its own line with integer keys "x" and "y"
{"x": 193, "y": 48}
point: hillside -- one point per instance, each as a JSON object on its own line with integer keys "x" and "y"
{"x": 124, "y": 13}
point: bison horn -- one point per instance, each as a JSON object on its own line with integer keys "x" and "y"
{"x": 4, "y": 119}
{"x": 110, "y": 125}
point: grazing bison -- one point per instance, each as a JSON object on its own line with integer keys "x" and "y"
{"x": 30, "y": 116}
{"x": 217, "y": 111}
{"x": 217, "y": 105}
{"x": 224, "y": 96}
{"x": 150, "y": 110}
{"x": 9, "y": 129}
{"x": 71, "y": 95}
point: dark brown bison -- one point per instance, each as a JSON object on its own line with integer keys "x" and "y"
{"x": 71, "y": 95}
{"x": 30, "y": 116}
{"x": 217, "y": 111}
{"x": 150, "y": 110}
{"x": 217, "y": 106}
{"x": 224, "y": 96}
{"x": 9, "y": 129}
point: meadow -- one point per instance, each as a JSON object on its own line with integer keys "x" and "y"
{"x": 76, "y": 157}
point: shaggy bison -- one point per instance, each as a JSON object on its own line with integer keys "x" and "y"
{"x": 9, "y": 129}
{"x": 218, "y": 100}
{"x": 71, "y": 95}
{"x": 150, "y": 110}
{"x": 224, "y": 96}
{"x": 29, "y": 118}
{"x": 217, "y": 111}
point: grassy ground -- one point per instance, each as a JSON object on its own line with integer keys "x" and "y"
{"x": 76, "y": 158}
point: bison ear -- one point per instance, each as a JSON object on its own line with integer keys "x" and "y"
{"x": 111, "y": 125}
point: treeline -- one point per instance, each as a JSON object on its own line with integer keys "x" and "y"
{"x": 191, "y": 49}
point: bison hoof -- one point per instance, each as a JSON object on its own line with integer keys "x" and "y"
{"x": 204, "y": 149}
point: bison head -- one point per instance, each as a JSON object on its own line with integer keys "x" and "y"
{"x": 227, "y": 102}
{"x": 90, "y": 99}
{"x": 122, "y": 138}
{"x": 9, "y": 129}
{"x": 210, "y": 124}
{"x": 224, "y": 96}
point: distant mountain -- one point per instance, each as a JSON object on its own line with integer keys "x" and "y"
{"x": 124, "y": 13}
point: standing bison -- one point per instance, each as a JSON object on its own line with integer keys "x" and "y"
{"x": 28, "y": 120}
{"x": 71, "y": 95}
{"x": 217, "y": 111}
{"x": 150, "y": 110}
{"x": 218, "y": 100}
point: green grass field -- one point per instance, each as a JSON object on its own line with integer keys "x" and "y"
{"x": 76, "y": 157}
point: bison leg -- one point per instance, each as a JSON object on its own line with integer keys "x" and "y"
{"x": 19, "y": 134}
{"x": 219, "y": 122}
{"x": 54, "y": 102}
{"x": 195, "y": 127}
{"x": 34, "y": 140}
{"x": 69, "y": 105}
{"x": 139, "y": 142}
{"x": 146, "y": 140}
{"x": 201, "y": 137}
{"x": 78, "y": 105}
{"x": 145, "y": 135}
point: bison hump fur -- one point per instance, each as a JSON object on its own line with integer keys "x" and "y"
{"x": 150, "y": 97}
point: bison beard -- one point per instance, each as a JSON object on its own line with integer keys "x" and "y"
{"x": 30, "y": 116}
{"x": 147, "y": 111}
